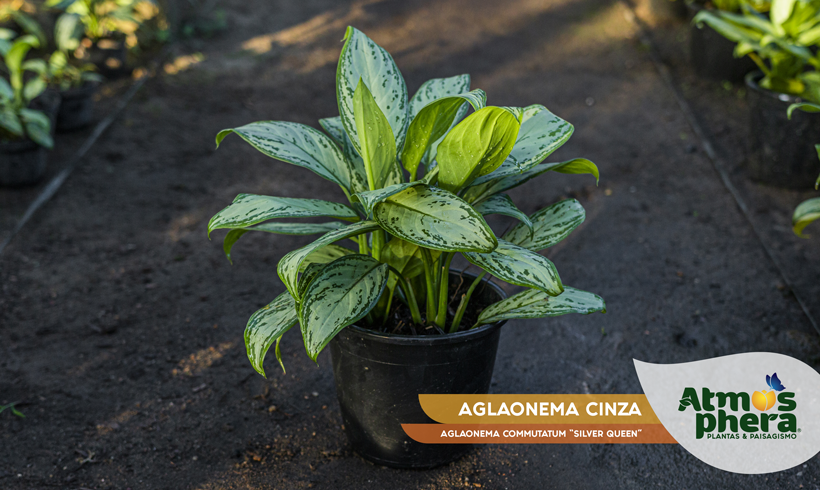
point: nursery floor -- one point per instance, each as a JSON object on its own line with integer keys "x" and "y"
{"x": 121, "y": 324}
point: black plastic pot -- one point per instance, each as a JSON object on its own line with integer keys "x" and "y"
{"x": 24, "y": 162}
{"x": 781, "y": 151}
{"x": 77, "y": 107}
{"x": 380, "y": 376}
{"x": 712, "y": 55}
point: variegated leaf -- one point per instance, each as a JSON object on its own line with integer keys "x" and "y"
{"x": 537, "y": 304}
{"x": 437, "y": 88}
{"x": 311, "y": 271}
{"x": 476, "y": 146}
{"x": 363, "y": 59}
{"x": 371, "y": 198}
{"x": 502, "y": 204}
{"x": 299, "y": 145}
{"x": 333, "y": 127}
{"x": 550, "y": 225}
{"x": 484, "y": 187}
{"x": 324, "y": 255}
{"x": 280, "y": 229}
{"x": 434, "y": 218}
{"x": 405, "y": 257}
{"x": 433, "y": 122}
{"x": 542, "y": 132}
{"x": 290, "y": 265}
{"x": 343, "y": 292}
{"x": 519, "y": 266}
{"x": 377, "y": 144}
{"x": 266, "y": 326}
{"x": 249, "y": 209}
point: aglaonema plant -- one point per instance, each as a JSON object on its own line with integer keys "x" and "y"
{"x": 406, "y": 230}
{"x": 17, "y": 120}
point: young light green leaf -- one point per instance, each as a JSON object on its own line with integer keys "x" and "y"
{"x": 478, "y": 192}
{"x": 377, "y": 144}
{"x": 250, "y": 209}
{"x": 434, "y": 218}
{"x": 361, "y": 58}
{"x": 268, "y": 325}
{"x": 339, "y": 295}
{"x": 476, "y": 146}
{"x": 433, "y": 122}
{"x": 299, "y": 145}
{"x": 405, "y": 257}
{"x": 290, "y": 265}
{"x": 68, "y": 31}
{"x": 502, "y": 204}
{"x": 519, "y": 266}
{"x": 550, "y": 225}
{"x": 280, "y": 229}
{"x": 537, "y": 304}
{"x": 806, "y": 213}
{"x": 803, "y": 106}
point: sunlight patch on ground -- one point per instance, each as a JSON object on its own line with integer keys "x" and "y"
{"x": 182, "y": 63}
{"x": 201, "y": 360}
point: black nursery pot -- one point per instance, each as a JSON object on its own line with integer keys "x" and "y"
{"x": 380, "y": 376}
{"x": 781, "y": 151}
{"x": 110, "y": 56}
{"x": 77, "y": 107}
{"x": 24, "y": 162}
{"x": 712, "y": 55}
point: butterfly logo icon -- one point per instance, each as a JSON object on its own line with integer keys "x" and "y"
{"x": 774, "y": 382}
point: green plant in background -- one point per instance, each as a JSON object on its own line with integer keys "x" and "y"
{"x": 16, "y": 119}
{"x": 19, "y": 12}
{"x": 14, "y": 411}
{"x": 407, "y": 231}
{"x": 783, "y": 44}
{"x": 809, "y": 210}
{"x": 103, "y": 19}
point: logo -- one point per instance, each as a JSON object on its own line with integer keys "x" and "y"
{"x": 728, "y": 415}
{"x": 751, "y": 413}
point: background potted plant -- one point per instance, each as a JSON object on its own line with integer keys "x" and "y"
{"x": 109, "y": 26}
{"x": 399, "y": 321}
{"x": 26, "y": 116}
{"x": 784, "y": 47}
{"x": 76, "y": 81}
{"x": 712, "y": 55}
{"x": 809, "y": 210}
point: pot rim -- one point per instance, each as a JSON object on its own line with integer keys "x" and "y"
{"x": 751, "y": 80}
{"x": 449, "y": 338}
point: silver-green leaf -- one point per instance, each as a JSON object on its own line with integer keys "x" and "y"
{"x": 268, "y": 325}
{"x": 340, "y": 294}
{"x": 333, "y": 126}
{"x": 299, "y": 145}
{"x": 502, "y": 204}
{"x": 280, "y": 229}
{"x": 290, "y": 265}
{"x": 519, "y": 266}
{"x": 537, "y": 304}
{"x": 507, "y": 177}
{"x": 362, "y": 58}
{"x": 550, "y": 225}
{"x": 250, "y": 209}
{"x": 434, "y": 218}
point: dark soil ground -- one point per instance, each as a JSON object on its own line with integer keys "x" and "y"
{"x": 121, "y": 324}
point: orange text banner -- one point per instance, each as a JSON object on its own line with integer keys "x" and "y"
{"x": 538, "y": 433}
{"x": 539, "y": 409}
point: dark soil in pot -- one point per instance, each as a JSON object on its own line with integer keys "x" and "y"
{"x": 782, "y": 151}
{"x": 379, "y": 377}
{"x": 24, "y": 162}
{"x": 712, "y": 55}
{"x": 77, "y": 107}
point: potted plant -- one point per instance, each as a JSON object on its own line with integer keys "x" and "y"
{"x": 399, "y": 320}
{"x": 76, "y": 81}
{"x": 712, "y": 55}
{"x": 784, "y": 47}
{"x": 809, "y": 210}
{"x": 109, "y": 27}
{"x": 25, "y": 109}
